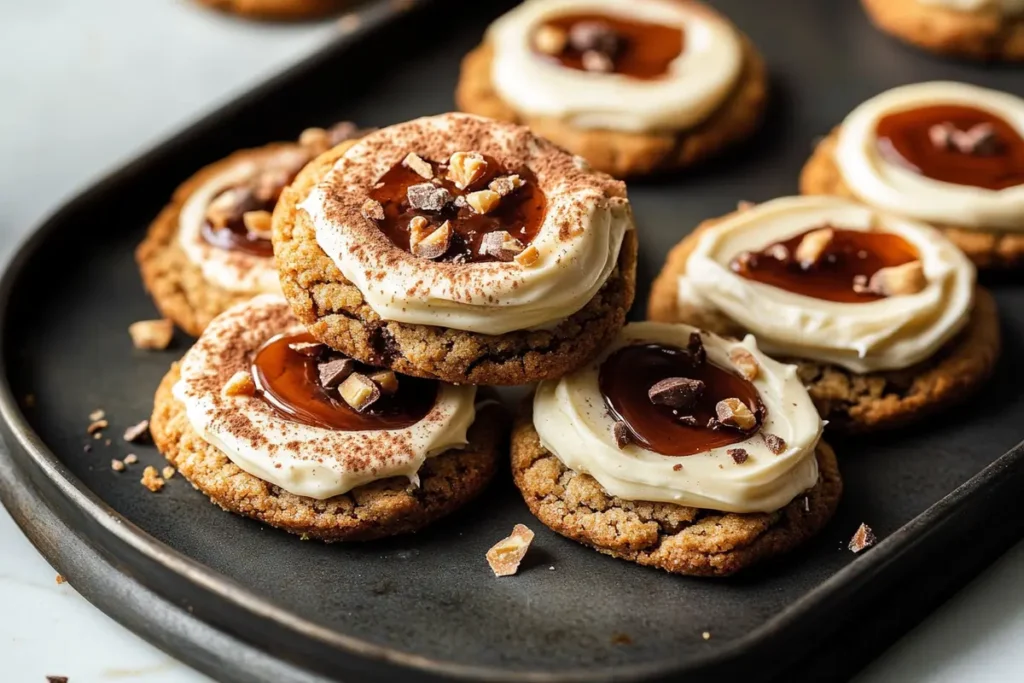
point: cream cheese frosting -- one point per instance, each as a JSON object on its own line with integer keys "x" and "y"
{"x": 234, "y": 271}
{"x": 890, "y": 187}
{"x": 574, "y": 424}
{"x": 1007, "y": 6}
{"x": 301, "y": 459}
{"x": 578, "y": 242}
{"x": 697, "y": 83}
{"x": 887, "y": 334}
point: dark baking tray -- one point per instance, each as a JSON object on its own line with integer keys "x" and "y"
{"x": 247, "y": 603}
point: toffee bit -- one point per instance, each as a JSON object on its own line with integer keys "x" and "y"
{"x": 418, "y": 166}
{"x": 863, "y": 539}
{"x": 528, "y": 256}
{"x": 387, "y": 381}
{"x": 622, "y": 434}
{"x": 152, "y": 335}
{"x": 507, "y": 554}
{"x": 483, "y": 201}
{"x": 466, "y": 168}
{"x": 334, "y": 372}
{"x": 681, "y": 393}
{"x": 359, "y": 392}
{"x": 137, "y": 432}
{"x": 240, "y": 384}
{"x": 434, "y": 245}
{"x": 372, "y": 210}
{"x": 733, "y": 412}
{"x": 738, "y": 455}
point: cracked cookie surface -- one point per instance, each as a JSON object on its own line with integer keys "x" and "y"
{"x": 676, "y": 538}
{"x": 623, "y": 154}
{"x": 821, "y": 175}
{"x": 849, "y": 401}
{"x": 983, "y": 34}
{"x": 334, "y": 311}
{"x": 382, "y": 508}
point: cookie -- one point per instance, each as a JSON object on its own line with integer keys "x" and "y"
{"x": 626, "y": 148}
{"x": 193, "y": 288}
{"x": 988, "y": 33}
{"x": 854, "y": 401}
{"x": 409, "y": 290}
{"x": 676, "y": 538}
{"x": 988, "y": 249}
{"x": 277, "y": 9}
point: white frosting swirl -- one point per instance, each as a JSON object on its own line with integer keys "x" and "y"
{"x": 573, "y": 423}
{"x": 301, "y": 459}
{"x": 578, "y": 241}
{"x": 234, "y": 271}
{"x": 697, "y": 83}
{"x": 897, "y": 189}
{"x": 1006, "y": 6}
{"x": 887, "y": 334}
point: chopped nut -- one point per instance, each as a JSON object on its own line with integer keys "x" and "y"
{"x": 334, "y": 372}
{"x": 359, "y": 391}
{"x": 733, "y": 412}
{"x": 527, "y": 257}
{"x": 416, "y": 164}
{"x": 813, "y": 245}
{"x": 131, "y": 459}
{"x": 151, "y": 479}
{"x": 550, "y": 40}
{"x": 597, "y": 62}
{"x": 776, "y": 444}
{"x": 167, "y": 472}
{"x": 507, "y": 553}
{"x": 257, "y": 222}
{"x": 240, "y": 384}
{"x": 594, "y": 35}
{"x": 427, "y": 197}
{"x": 308, "y": 349}
{"x": 898, "y": 280}
{"x": 864, "y": 538}
{"x": 433, "y": 245}
{"x": 738, "y": 455}
{"x": 137, "y": 432}
{"x": 96, "y": 426}
{"x": 372, "y": 210}
{"x": 466, "y": 168}
{"x": 622, "y": 435}
{"x": 387, "y": 381}
{"x": 97, "y": 414}
{"x": 500, "y": 245}
{"x": 483, "y": 201}
{"x": 151, "y": 334}
{"x": 680, "y": 393}
{"x": 117, "y": 465}
{"x": 745, "y": 363}
{"x": 506, "y": 185}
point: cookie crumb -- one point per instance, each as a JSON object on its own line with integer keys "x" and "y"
{"x": 738, "y": 455}
{"x": 863, "y": 539}
{"x": 151, "y": 479}
{"x": 677, "y": 468}
{"x": 240, "y": 384}
{"x": 97, "y": 414}
{"x": 776, "y": 444}
{"x": 137, "y": 432}
{"x": 734, "y": 413}
{"x": 61, "y": 579}
{"x": 117, "y": 465}
{"x": 167, "y": 472}
{"x": 622, "y": 435}
{"x": 505, "y": 556}
{"x": 131, "y": 459}
{"x": 153, "y": 335}
{"x": 706, "y": 635}
{"x": 96, "y": 426}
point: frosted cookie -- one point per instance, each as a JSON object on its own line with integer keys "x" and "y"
{"x": 458, "y": 248}
{"x": 880, "y": 313}
{"x": 278, "y": 9}
{"x": 272, "y": 425}
{"x": 634, "y": 87}
{"x": 210, "y": 247}
{"x": 981, "y": 29}
{"x": 949, "y": 154}
{"x": 678, "y": 449}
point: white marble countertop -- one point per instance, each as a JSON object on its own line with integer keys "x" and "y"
{"x": 86, "y": 86}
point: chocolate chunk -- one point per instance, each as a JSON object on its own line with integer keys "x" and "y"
{"x": 688, "y": 421}
{"x": 623, "y": 436}
{"x": 372, "y": 210}
{"x": 776, "y": 444}
{"x": 732, "y": 412}
{"x": 863, "y": 539}
{"x": 428, "y": 197}
{"x": 137, "y": 432}
{"x": 334, "y": 372}
{"x": 359, "y": 391}
{"x": 739, "y": 455}
{"x": 433, "y": 245}
{"x": 695, "y": 346}
{"x": 309, "y": 349}
{"x": 597, "y": 62}
{"x": 595, "y": 36}
{"x": 681, "y": 393}
{"x": 500, "y": 245}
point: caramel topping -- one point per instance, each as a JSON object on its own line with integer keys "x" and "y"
{"x": 954, "y": 144}
{"x": 595, "y": 42}
{"x": 633, "y": 382}
{"x": 232, "y": 233}
{"x": 288, "y": 375}
{"x": 416, "y": 208}
{"x": 841, "y": 271}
